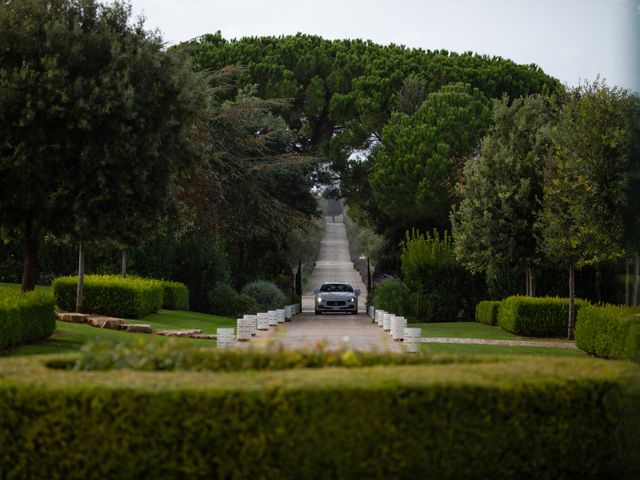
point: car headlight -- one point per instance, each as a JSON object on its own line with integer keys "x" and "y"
{"x": 318, "y": 298}
{"x": 353, "y": 299}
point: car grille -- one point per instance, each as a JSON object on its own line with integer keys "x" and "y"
{"x": 335, "y": 303}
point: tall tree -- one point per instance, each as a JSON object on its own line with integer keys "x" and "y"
{"x": 500, "y": 190}
{"x": 97, "y": 120}
{"x": 421, "y": 156}
{"x": 585, "y": 180}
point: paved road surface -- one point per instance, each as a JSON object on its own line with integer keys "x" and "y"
{"x": 334, "y": 265}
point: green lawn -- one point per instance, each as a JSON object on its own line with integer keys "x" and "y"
{"x": 455, "y": 348}
{"x": 69, "y": 337}
{"x": 472, "y": 330}
{"x": 16, "y": 287}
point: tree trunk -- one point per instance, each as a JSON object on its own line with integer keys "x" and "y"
{"x": 533, "y": 283}
{"x": 627, "y": 291}
{"x": 124, "y": 262}
{"x": 572, "y": 297}
{"x": 636, "y": 281}
{"x": 80, "y": 289}
{"x": 30, "y": 259}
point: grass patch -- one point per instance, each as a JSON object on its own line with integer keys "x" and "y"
{"x": 70, "y": 337}
{"x": 16, "y": 287}
{"x": 472, "y": 330}
{"x": 473, "y": 349}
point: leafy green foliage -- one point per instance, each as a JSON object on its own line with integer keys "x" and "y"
{"x": 441, "y": 290}
{"x": 129, "y": 297}
{"x": 572, "y": 417}
{"x": 266, "y": 293}
{"x": 609, "y": 331}
{"x": 25, "y": 317}
{"x": 224, "y": 300}
{"x": 487, "y": 312}
{"x": 493, "y": 225}
{"x": 176, "y": 296}
{"x": 536, "y": 317}
{"x": 392, "y": 296}
{"x": 584, "y": 191}
{"x": 422, "y": 155}
{"x": 114, "y": 123}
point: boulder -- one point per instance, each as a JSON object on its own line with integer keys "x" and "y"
{"x": 179, "y": 332}
{"x": 139, "y": 328}
{"x": 73, "y": 317}
{"x": 106, "y": 322}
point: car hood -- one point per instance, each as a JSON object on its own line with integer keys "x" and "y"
{"x": 336, "y": 295}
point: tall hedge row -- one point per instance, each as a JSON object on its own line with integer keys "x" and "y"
{"x": 25, "y": 317}
{"x": 511, "y": 420}
{"x": 545, "y": 317}
{"x": 609, "y": 331}
{"x": 111, "y": 295}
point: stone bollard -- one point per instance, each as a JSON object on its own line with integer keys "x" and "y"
{"x": 386, "y": 321}
{"x": 412, "y": 337}
{"x": 273, "y": 318}
{"x": 253, "y": 320}
{"x": 225, "y": 337}
{"x": 372, "y": 313}
{"x": 243, "y": 329}
{"x": 263, "y": 321}
{"x": 281, "y": 316}
{"x": 379, "y": 316}
{"x": 398, "y": 325}
{"x": 288, "y": 312}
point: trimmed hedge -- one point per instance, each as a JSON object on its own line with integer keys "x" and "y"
{"x": 524, "y": 418}
{"x": 487, "y": 312}
{"x": 224, "y": 300}
{"x": 392, "y": 296}
{"x": 266, "y": 293}
{"x": 25, "y": 317}
{"x": 609, "y": 331}
{"x": 544, "y": 317}
{"x": 176, "y": 296}
{"x": 113, "y": 295}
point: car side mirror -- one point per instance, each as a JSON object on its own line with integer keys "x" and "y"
{"x": 316, "y": 291}
{"x": 358, "y": 292}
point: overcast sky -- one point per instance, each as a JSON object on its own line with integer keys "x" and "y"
{"x": 569, "y": 39}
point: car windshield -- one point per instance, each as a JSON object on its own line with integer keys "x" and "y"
{"x": 336, "y": 287}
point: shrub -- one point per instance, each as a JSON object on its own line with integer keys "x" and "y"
{"x": 561, "y": 418}
{"x": 224, "y": 300}
{"x": 392, "y": 296}
{"x": 441, "y": 289}
{"x": 487, "y": 312}
{"x": 266, "y": 294}
{"x": 609, "y": 331}
{"x": 176, "y": 296}
{"x": 113, "y": 295}
{"x": 25, "y": 317}
{"x": 536, "y": 316}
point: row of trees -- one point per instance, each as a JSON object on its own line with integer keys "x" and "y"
{"x": 108, "y": 136}
{"x": 556, "y": 178}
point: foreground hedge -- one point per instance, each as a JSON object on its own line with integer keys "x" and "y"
{"x": 111, "y": 295}
{"x": 176, "y": 296}
{"x": 525, "y": 418}
{"x": 609, "y": 332}
{"x": 25, "y": 317}
{"x": 487, "y": 312}
{"x": 536, "y": 316}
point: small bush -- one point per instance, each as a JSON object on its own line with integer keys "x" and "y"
{"x": 266, "y": 294}
{"x": 176, "y": 296}
{"x": 25, "y": 317}
{"x": 391, "y": 296}
{"x": 113, "y": 295}
{"x": 487, "y": 312}
{"x": 224, "y": 300}
{"x": 536, "y": 317}
{"x": 609, "y": 331}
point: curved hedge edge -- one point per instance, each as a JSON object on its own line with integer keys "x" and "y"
{"x": 487, "y": 312}
{"x": 25, "y": 317}
{"x": 176, "y": 295}
{"x": 609, "y": 331}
